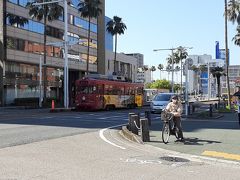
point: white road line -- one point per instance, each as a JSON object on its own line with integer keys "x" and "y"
{"x": 105, "y": 139}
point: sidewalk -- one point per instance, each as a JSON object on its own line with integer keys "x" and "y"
{"x": 203, "y": 135}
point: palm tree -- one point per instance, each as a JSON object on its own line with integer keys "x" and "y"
{"x": 145, "y": 68}
{"x": 89, "y": 9}
{"x": 168, "y": 69}
{"x": 180, "y": 55}
{"x": 115, "y": 27}
{"x": 160, "y": 67}
{"x": 152, "y": 69}
{"x": 236, "y": 38}
{"x": 233, "y": 9}
{"x": 217, "y": 72}
{"x": 230, "y": 10}
{"x": 46, "y": 13}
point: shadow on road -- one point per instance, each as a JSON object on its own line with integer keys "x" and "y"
{"x": 197, "y": 141}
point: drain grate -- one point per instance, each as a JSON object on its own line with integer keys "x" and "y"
{"x": 174, "y": 159}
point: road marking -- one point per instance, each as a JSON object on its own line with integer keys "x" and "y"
{"x": 105, "y": 139}
{"x": 222, "y": 155}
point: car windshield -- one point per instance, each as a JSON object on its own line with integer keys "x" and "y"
{"x": 162, "y": 97}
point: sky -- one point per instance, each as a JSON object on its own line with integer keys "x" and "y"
{"x": 157, "y": 24}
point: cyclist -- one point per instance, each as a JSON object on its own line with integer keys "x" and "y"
{"x": 175, "y": 107}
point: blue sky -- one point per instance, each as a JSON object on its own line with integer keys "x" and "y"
{"x": 171, "y": 23}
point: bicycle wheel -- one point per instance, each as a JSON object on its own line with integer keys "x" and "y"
{"x": 165, "y": 132}
{"x": 177, "y": 133}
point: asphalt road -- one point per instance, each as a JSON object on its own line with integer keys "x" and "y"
{"x": 80, "y": 145}
{"x": 26, "y": 126}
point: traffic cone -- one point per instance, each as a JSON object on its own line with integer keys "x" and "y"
{"x": 53, "y": 105}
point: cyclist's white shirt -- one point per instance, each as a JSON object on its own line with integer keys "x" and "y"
{"x": 173, "y": 108}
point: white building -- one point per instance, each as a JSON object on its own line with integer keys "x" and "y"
{"x": 126, "y": 65}
{"x": 198, "y": 80}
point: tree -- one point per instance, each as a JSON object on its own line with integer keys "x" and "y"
{"x": 160, "y": 67}
{"x": 236, "y": 38}
{"x": 161, "y": 84}
{"x": 217, "y": 72}
{"x": 89, "y": 9}
{"x": 115, "y": 27}
{"x": 168, "y": 69}
{"x": 152, "y": 69}
{"x": 180, "y": 55}
{"x": 233, "y": 9}
{"x": 46, "y": 13}
{"x": 145, "y": 68}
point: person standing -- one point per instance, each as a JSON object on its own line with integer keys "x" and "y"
{"x": 175, "y": 107}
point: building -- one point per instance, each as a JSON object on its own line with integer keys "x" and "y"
{"x": 126, "y": 65}
{"x": 198, "y": 79}
{"x": 234, "y": 79}
{"x": 139, "y": 57}
{"x": 21, "y": 47}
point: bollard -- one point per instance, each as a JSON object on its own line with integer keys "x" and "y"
{"x": 129, "y": 120}
{"x": 133, "y": 124}
{"x": 193, "y": 108}
{"x": 53, "y": 105}
{"x": 144, "y": 130}
{"x": 210, "y": 110}
{"x": 148, "y": 116}
{"x": 189, "y": 110}
{"x": 138, "y": 120}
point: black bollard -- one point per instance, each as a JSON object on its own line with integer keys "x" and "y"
{"x": 189, "y": 109}
{"x": 144, "y": 130}
{"x": 148, "y": 116}
{"x": 129, "y": 120}
{"x": 210, "y": 110}
{"x": 193, "y": 108}
{"x": 133, "y": 124}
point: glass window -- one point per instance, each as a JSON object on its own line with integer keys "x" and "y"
{"x": 23, "y": 2}
{"x": 13, "y": 1}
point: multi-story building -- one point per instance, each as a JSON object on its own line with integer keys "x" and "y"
{"x": 139, "y": 57}
{"x": 198, "y": 79}
{"x": 126, "y": 65}
{"x": 234, "y": 79}
{"x": 21, "y": 47}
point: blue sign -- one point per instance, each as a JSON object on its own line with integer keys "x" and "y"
{"x": 217, "y": 50}
{"x": 220, "y": 53}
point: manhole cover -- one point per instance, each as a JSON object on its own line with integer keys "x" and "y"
{"x": 173, "y": 159}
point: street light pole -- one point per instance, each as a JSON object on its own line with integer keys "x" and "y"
{"x": 66, "y": 99}
{"x": 40, "y": 81}
{"x": 172, "y": 71}
{"x": 66, "y": 94}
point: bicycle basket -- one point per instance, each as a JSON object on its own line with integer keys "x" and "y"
{"x": 166, "y": 116}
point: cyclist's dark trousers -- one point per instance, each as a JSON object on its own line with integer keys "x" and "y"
{"x": 177, "y": 123}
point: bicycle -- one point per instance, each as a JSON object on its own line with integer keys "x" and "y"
{"x": 168, "y": 126}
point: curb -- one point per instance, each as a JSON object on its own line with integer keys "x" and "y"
{"x": 56, "y": 110}
{"x": 129, "y": 135}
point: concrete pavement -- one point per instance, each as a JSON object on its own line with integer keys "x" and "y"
{"x": 216, "y": 137}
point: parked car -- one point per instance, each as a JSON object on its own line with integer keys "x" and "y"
{"x": 160, "y": 102}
